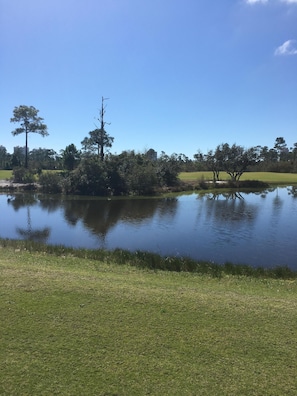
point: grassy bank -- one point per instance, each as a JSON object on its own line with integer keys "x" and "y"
{"x": 153, "y": 261}
{"x": 266, "y": 177}
{"x": 73, "y": 325}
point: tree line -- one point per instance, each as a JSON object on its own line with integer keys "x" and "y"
{"x": 236, "y": 159}
{"x": 94, "y": 170}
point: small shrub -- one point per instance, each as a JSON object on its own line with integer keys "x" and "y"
{"x": 203, "y": 184}
{"x": 51, "y": 182}
{"x": 23, "y": 175}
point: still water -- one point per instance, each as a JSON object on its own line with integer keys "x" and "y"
{"x": 259, "y": 229}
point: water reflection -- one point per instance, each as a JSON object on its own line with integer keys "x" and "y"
{"x": 98, "y": 216}
{"x": 239, "y": 227}
{"x": 225, "y": 195}
{"x": 277, "y": 201}
{"x": 292, "y": 191}
{"x": 230, "y": 209}
{"x": 29, "y": 233}
{"x": 37, "y": 235}
{"x": 22, "y": 200}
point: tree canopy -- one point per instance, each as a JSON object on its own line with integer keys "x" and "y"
{"x": 97, "y": 141}
{"x": 30, "y": 122}
{"x": 70, "y": 157}
{"x": 234, "y": 160}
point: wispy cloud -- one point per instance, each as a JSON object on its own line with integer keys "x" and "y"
{"x": 270, "y": 1}
{"x": 288, "y": 48}
{"x": 256, "y": 1}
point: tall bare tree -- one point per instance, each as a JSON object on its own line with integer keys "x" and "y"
{"x": 98, "y": 139}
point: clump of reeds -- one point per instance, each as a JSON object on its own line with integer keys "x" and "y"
{"x": 153, "y": 261}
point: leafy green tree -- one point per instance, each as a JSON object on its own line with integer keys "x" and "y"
{"x": 151, "y": 154}
{"x": 198, "y": 164}
{"x": 168, "y": 168}
{"x": 89, "y": 178}
{"x": 116, "y": 176}
{"x": 51, "y": 182}
{"x": 265, "y": 158}
{"x": 3, "y": 157}
{"x": 97, "y": 141}
{"x": 70, "y": 157}
{"x": 294, "y": 153}
{"x": 213, "y": 163}
{"x": 235, "y": 159}
{"x": 18, "y": 157}
{"x": 43, "y": 158}
{"x": 23, "y": 175}
{"x": 281, "y": 148}
{"x": 30, "y": 122}
{"x": 133, "y": 173}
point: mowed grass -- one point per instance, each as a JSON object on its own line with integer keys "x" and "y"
{"x": 267, "y": 177}
{"x": 5, "y": 174}
{"x": 74, "y": 326}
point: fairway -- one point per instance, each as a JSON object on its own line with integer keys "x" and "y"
{"x": 267, "y": 177}
{"x": 5, "y": 174}
{"x": 74, "y": 326}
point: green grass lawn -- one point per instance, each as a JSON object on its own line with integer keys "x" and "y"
{"x": 267, "y": 177}
{"x": 5, "y": 174}
{"x": 74, "y": 326}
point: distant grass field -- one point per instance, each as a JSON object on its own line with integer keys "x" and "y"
{"x": 267, "y": 177}
{"x": 5, "y": 174}
{"x": 74, "y": 326}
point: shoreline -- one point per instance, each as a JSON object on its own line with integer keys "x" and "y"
{"x": 14, "y": 186}
{"x": 152, "y": 261}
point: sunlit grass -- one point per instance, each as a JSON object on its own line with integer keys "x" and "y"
{"x": 5, "y": 174}
{"x": 267, "y": 177}
{"x": 76, "y": 326}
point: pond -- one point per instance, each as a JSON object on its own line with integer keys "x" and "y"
{"x": 259, "y": 229}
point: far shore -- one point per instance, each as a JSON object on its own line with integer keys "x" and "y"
{"x": 11, "y": 185}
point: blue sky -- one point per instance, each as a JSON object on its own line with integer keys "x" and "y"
{"x": 180, "y": 75}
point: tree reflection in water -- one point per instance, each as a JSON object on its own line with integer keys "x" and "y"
{"x": 37, "y": 235}
{"x": 292, "y": 191}
{"x": 257, "y": 227}
{"x": 100, "y": 216}
{"x": 29, "y": 233}
{"x": 229, "y": 207}
{"x": 226, "y": 195}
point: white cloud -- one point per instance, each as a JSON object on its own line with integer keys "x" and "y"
{"x": 256, "y": 1}
{"x": 266, "y": 1}
{"x": 288, "y": 48}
